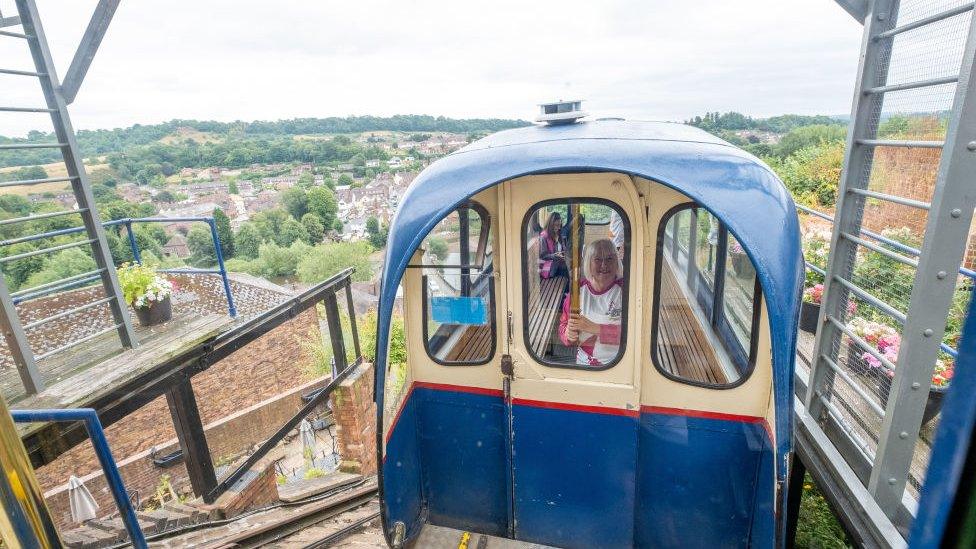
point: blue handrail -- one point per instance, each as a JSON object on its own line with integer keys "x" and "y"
{"x": 218, "y": 250}
{"x": 137, "y": 256}
{"x": 97, "y": 435}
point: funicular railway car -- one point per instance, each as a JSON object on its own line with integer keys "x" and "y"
{"x": 600, "y": 323}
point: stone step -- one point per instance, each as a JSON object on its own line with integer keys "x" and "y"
{"x": 297, "y": 490}
{"x": 167, "y": 520}
{"x": 158, "y": 520}
{"x": 118, "y": 525}
{"x": 190, "y": 510}
{"x": 87, "y": 537}
{"x": 106, "y": 526}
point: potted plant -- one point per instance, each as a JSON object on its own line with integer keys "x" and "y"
{"x": 147, "y": 293}
{"x": 810, "y": 308}
{"x": 941, "y": 378}
{"x": 883, "y": 338}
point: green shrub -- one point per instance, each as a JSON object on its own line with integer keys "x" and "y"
{"x": 326, "y": 260}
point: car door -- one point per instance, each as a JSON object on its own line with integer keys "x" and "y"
{"x": 573, "y": 404}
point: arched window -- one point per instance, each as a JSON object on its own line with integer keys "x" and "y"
{"x": 458, "y": 288}
{"x": 707, "y": 301}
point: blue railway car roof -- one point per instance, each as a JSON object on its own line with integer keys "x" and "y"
{"x": 732, "y": 184}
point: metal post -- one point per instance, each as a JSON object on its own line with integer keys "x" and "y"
{"x": 132, "y": 242}
{"x": 76, "y": 169}
{"x": 798, "y": 473}
{"x": 946, "y": 235}
{"x": 92, "y": 38}
{"x": 873, "y": 68}
{"x": 20, "y": 349}
{"x": 354, "y": 328}
{"x": 335, "y": 329}
{"x": 464, "y": 248}
{"x": 218, "y": 250}
{"x": 193, "y": 440}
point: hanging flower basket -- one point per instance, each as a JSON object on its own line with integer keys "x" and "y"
{"x": 147, "y": 293}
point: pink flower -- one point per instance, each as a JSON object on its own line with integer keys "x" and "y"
{"x": 871, "y": 360}
{"x": 889, "y": 340}
{"x": 814, "y": 294}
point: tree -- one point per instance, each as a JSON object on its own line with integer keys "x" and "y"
{"x": 326, "y": 260}
{"x": 247, "y": 241}
{"x": 345, "y": 180}
{"x": 104, "y": 194}
{"x": 313, "y": 224}
{"x": 165, "y": 196}
{"x": 277, "y": 261}
{"x": 17, "y": 272}
{"x": 270, "y": 223}
{"x": 232, "y": 188}
{"x": 224, "y": 232}
{"x": 295, "y": 202}
{"x": 377, "y": 235}
{"x": 63, "y": 264}
{"x": 201, "y": 246}
{"x": 322, "y": 202}
{"x": 809, "y": 136}
{"x": 812, "y": 174}
{"x": 437, "y": 247}
{"x": 26, "y": 173}
{"x": 306, "y": 180}
{"x": 293, "y": 231}
{"x": 15, "y": 204}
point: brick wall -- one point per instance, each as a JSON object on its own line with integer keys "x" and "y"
{"x": 355, "y": 415}
{"x": 229, "y": 436}
{"x": 268, "y": 366}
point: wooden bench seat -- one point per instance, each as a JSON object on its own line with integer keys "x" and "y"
{"x": 683, "y": 347}
{"x": 544, "y": 310}
{"x": 474, "y": 345}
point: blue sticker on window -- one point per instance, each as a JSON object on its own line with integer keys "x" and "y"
{"x": 459, "y": 310}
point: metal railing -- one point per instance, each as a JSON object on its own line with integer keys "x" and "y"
{"x": 100, "y": 443}
{"x": 214, "y": 236}
{"x": 23, "y": 353}
{"x": 78, "y": 280}
{"x": 885, "y": 241}
{"x": 325, "y": 293}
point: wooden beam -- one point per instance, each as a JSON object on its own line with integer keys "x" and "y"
{"x": 193, "y": 440}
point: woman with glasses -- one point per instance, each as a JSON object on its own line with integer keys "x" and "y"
{"x": 595, "y": 330}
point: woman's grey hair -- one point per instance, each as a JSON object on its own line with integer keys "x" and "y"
{"x": 604, "y": 245}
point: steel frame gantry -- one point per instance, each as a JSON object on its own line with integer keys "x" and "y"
{"x": 57, "y": 97}
{"x": 950, "y": 214}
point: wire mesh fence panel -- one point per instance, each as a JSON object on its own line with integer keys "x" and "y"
{"x": 909, "y": 97}
{"x": 911, "y": 11}
{"x": 928, "y": 52}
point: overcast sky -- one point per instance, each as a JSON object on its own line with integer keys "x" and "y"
{"x": 247, "y": 60}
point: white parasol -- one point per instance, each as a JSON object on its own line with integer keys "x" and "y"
{"x": 83, "y": 505}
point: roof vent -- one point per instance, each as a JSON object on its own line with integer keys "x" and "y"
{"x": 560, "y": 112}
